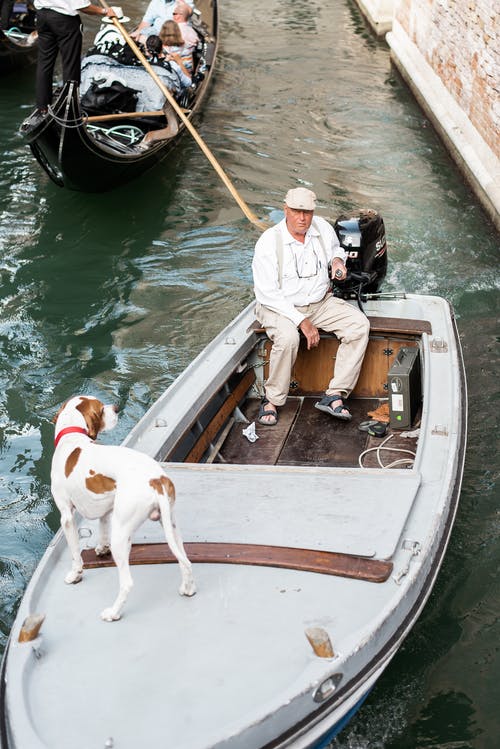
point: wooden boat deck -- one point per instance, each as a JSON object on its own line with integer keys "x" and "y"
{"x": 305, "y": 436}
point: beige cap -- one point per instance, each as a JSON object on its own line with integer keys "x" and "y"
{"x": 301, "y": 198}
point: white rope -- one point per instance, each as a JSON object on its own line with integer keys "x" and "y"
{"x": 382, "y": 447}
{"x": 399, "y": 462}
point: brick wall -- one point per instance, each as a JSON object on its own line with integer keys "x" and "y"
{"x": 459, "y": 40}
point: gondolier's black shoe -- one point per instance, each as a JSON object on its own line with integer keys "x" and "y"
{"x": 36, "y": 118}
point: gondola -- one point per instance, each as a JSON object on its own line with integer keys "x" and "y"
{"x": 315, "y": 545}
{"x": 18, "y": 42}
{"x": 106, "y": 150}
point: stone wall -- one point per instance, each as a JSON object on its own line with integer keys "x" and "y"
{"x": 448, "y": 52}
{"x": 459, "y": 40}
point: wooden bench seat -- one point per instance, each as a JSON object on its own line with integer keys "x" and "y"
{"x": 313, "y": 368}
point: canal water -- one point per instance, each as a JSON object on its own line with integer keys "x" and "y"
{"x": 115, "y": 294}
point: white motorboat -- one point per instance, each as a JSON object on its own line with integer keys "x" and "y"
{"x": 314, "y": 549}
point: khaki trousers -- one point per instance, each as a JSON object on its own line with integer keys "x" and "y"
{"x": 333, "y": 315}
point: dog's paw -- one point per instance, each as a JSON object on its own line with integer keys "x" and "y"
{"x": 187, "y": 589}
{"x": 73, "y": 577}
{"x": 108, "y": 615}
{"x": 102, "y": 551}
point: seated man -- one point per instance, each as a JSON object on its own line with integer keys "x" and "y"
{"x": 292, "y": 269}
{"x": 157, "y": 12}
{"x": 181, "y": 14}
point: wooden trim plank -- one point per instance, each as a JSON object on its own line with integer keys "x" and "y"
{"x": 215, "y": 425}
{"x": 307, "y": 560}
{"x": 380, "y": 325}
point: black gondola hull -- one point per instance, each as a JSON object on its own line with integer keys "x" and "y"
{"x": 16, "y": 54}
{"x": 76, "y": 159}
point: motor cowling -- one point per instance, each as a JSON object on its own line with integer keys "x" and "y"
{"x": 363, "y": 239}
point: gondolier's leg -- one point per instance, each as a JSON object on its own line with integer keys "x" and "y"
{"x": 56, "y": 32}
{"x": 47, "y": 54}
{"x": 71, "y": 50}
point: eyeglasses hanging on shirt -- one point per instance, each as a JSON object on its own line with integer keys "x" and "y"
{"x": 309, "y": 263}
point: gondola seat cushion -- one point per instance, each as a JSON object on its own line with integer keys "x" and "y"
{"x": 149, "y": 97}
{"x": 109, "y": 99}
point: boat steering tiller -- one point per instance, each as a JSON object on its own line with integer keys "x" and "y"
{"x": 363, "y": 239}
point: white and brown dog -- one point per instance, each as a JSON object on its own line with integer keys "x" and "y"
{"x": 120, "y": 486}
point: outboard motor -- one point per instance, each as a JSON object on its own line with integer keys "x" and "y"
{"x": 363, "y": 239}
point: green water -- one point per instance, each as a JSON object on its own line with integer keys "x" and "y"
{"x": 114, "y": 295}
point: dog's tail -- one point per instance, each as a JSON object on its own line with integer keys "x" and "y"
{"x": 163, "y": 488}
{"x": 166, "y": 502}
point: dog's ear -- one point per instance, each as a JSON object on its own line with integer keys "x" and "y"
{"x": 92, "y": 411}
{"x": 59, "y": 411}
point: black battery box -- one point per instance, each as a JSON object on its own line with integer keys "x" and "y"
{"x": 404, "y": 383}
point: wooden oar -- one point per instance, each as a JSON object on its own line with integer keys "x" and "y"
{"x": 124, "y": 116}
{"x": 127, "y": 115}
{"x": 244, "y": 207}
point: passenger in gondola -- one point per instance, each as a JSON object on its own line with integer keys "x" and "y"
{"x": 154, "y": 50}
{"x": 60, "y": 31}
{"x": 157, "y": 12}
{"x": 181, "y": 15}
{"x": 174, "y": 47}
{"x": 108, "y": 38}
{"x": 155, "y": 53}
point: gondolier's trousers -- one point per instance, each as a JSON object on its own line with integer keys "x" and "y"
{"x": 330, "y": 314}
{"x": 56, "y": 33}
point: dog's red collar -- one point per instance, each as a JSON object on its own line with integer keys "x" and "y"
{"x": 69, "y": 430}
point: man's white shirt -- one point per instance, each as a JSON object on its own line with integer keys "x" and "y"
{"x": 66, "y": 7}
{"x": 304, "y": 277}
